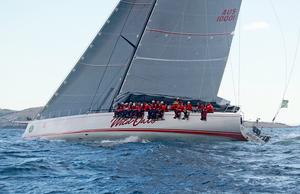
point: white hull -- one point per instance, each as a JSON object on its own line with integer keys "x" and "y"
{"x": 102, "y": 126}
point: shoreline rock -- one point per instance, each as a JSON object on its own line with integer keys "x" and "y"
{"x": 17, "y": 119}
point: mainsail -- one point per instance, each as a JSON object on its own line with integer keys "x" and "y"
{"x": 184, "y": 49}
{"x": 151, "y": 47}
{"x": 96, "y": 78}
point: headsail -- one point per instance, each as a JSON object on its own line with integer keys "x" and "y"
{"x": 184, "y": 49}
{"x": 95, "y": 80}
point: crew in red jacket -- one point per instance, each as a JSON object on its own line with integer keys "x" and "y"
{"x": 161, "y": 110}
{"x": 119, "y": 110}
{"x": 134, "y": 110}
{"x": 140, "y": 110}
{"x": 210, "y": 108}
{"x": 189, "y": 107}
{"x": 152, "y": 113}
{"x": 179, "y": 110}
{"x": 204, "y": 114}
{"x": 175, "y": 105}
{"x": 187, "y": 111}
{"x": 146, "y": 107}
{"x": 200, "y": 107}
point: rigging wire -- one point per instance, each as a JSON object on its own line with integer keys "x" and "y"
{"x": 239, "y": 62}
{"x": 283, "y": 39}
{"x": 293, "y": 64}
{"x": 233, "y": 81}
{"x": 235, "y": 90}
{"x": 288, "y": 76}
{"x": 285, "y": 55}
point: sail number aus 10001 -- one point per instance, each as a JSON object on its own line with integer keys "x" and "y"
{"x": 227, "y": 15}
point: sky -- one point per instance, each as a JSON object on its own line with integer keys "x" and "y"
{"x": 40, "y": 42}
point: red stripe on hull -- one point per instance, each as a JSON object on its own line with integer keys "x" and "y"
{"x": 232, "y": 135}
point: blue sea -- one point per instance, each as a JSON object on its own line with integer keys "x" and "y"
{"x": 137, "y": 166}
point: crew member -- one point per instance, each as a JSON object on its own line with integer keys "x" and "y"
{"x": 200, "y": 107}
{"x": 118, "y": 111}
{"x": 174, "y": 107}
{"x": 146, "y": 107}
{"x": 152, "y": 111}
{"x": 179, "y": 110}
{"x": 134, "y": 111}
{"x": 126, "y": 110}
{"x": 204, "y": 114}
{"x": 140, "y": 110}
{"x": 187, "y": 111}
{"x": 162, "y": 109}
{"x": 210, "y": 108}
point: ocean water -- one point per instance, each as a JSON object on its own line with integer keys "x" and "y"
{"x": 136, "y": 166}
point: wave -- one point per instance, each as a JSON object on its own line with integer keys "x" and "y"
{"x": 130, "y": 139}
{"x": 288, "y": 138}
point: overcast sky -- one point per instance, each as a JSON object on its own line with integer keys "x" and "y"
{"x": 40, "y": 41}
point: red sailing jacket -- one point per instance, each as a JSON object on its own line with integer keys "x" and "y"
{"x": 163, "y": 108}
{"x": 210, "y": 108}
{"x": 189, "y": 107}
{"x": 180, "y": 108}
{"x": 146, "y": 107}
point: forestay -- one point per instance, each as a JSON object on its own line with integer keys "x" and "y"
{"x": 96, "y": 79}
{"x": 184, "y": 49}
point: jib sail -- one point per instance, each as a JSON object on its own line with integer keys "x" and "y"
{"x": 96, "y": 78}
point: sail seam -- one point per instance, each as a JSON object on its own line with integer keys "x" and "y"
{"x": 134, "y": 3}
{"x": 188, "y": 33}
{"x": 181, "y": 60}
{"x": 93, "y": 65}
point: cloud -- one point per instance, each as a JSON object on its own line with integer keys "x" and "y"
{"x": 257, "y": 25}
